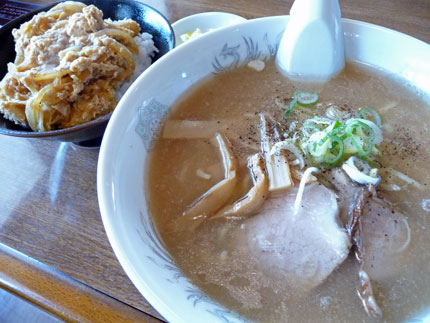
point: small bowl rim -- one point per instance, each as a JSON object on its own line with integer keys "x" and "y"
{"x": 191, "y": 22}
{"x": 201, "y": 15}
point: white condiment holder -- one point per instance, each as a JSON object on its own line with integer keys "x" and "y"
{"x": 312, "y": 46}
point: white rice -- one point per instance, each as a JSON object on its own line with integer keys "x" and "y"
{"x": 147, "y": 50}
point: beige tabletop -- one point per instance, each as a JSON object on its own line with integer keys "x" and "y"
{"x": 48, "y": 197}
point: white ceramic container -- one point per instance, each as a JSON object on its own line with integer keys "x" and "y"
{"x": 120, "y": 177}
{"x": 205, "y": 21}
{"x": 314, "y": 24}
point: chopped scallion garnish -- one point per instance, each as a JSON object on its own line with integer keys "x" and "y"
{"x": 311, "y": 126}
{"x": 306, "y": 99}
{"x": 363, "y": 147}
{"x": 290, "y": 108}
{"x": 356, "y": 127}
{"x": 331, "y": 142}
{"x": 336, "y": 141}
{"x": 335, "y": 151}
{"x": 368, "y": 110}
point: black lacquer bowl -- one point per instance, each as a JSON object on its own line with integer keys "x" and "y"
{"x": 90, "y": 133}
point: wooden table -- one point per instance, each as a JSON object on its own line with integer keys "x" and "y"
{"x": 48, "y": 198}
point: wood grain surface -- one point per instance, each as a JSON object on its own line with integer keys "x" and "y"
{"x": 48, "y": 198}
{"x": 62, "y": 296}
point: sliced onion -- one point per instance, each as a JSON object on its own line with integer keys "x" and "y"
{"x": 357, "y": 176}
{"x": 201, "y": 173}
{"x": 368, "y": 110}
{"x": 404, "y": 177}
{"x": 312, "y": 144}
{"x": 335, "y": 113}
{"x": 295, "y": 162}
{"x": 426, "y": 205}
{"x": 391, "y": 187}
{"x": 365, "y": 168}
{"x": 408, "y": 239}
{"x": 377, "y": 131}
{"x": 287, "y": 145}
{"x": 319, "y": 120}
{"x": 293, "y": 126}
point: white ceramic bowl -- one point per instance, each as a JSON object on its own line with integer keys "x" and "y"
{"x": 205, "y": 21}
{"x": 120, "y": 178}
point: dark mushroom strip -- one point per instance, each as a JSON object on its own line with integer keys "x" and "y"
{"x": 365, "y": 292}
{"x": 256, "y": 195}
{"x": 344, "y": 187}
{"x": 354, "y": 230}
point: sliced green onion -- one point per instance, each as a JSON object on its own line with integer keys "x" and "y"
{"x": 365, "y": 148}
{"x": 358, "y": 128}
{"x": 343, "y": 136}
{"x": 337, "y": 127}
{"x": 331, "y": 142}
{"x": 371, "y": 162}
{"x": 349, "y": 146}
{"x": 375, "y": 151}
{"x": 377, "y": 130}
{"x": 291, "y": 107}
{"x": 320, "y": 120}
{"x": 312, "y": 143}
{"x": 337, "y": 124}
{"x": 317, "y": 123}
{"x": 310, "y": 126}
{"x": 335, "y": 150}
{"x": 333, "y": 126}
{"x": 306, "y": 99}
{"x": 368, "y": 110}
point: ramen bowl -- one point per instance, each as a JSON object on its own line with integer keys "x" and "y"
{"x": 133, "y": 128}
{"x": 90, "y": 133}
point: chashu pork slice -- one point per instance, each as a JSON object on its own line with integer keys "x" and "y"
{"x": 301, "y": 249}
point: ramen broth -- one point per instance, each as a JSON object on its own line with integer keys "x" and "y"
{"x": 181, "y": 170}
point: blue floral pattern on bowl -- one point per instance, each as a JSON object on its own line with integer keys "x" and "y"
{"x": 150, "y": 117}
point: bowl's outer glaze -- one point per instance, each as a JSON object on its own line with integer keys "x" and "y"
{"x": 149, "y": 19}
{"x": 127, "y": 141}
